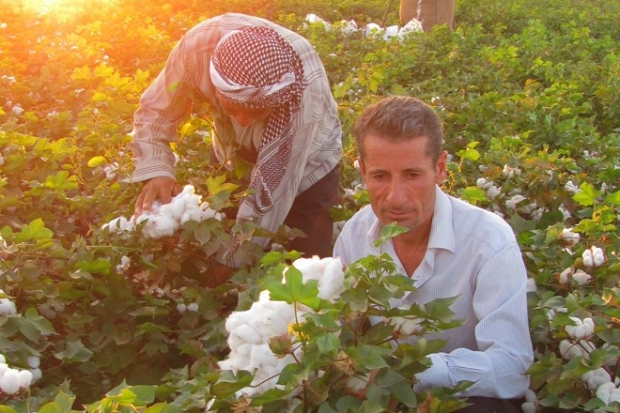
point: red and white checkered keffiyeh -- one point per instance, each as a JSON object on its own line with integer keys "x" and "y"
{"x": 256, "y": 68}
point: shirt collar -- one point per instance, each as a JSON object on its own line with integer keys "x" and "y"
{"x": 442, "y": 231}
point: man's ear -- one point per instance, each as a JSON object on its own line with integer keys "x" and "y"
{"x": 361, "y": 164}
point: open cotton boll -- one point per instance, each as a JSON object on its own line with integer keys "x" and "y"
{"x": 7, "y": 306}
{"x": 581, "y": 328}
{"x": 595, "y": 378}
{"x": 608, "y": 393}
{"x": 570, "y": 350}
{"x": 581, "y": 277}
{"x": 25, "y": 378}
{"x": 329, "y": 273}
{"x": 34, "y": 361}
{"x": 405, "y": 325}
{"x": 9, "y": 383}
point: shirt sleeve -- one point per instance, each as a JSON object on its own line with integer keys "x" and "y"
{"x": 499, "y": 368}
{"x": 162, "y": 107}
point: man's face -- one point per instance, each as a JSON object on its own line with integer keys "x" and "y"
{"x": 244, "y": 116}
{"x": 401, "y": 180}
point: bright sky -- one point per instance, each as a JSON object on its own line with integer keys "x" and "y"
{"x": 44, "y": 6}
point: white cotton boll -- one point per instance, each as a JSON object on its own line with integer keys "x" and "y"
{"x": 17, "y": 110}
{"x": 2, "y": 358}
{"x": 571, "y": 188}
{"x": 193, "y": 307}
{"x": 581, "y": 328}
{"x": 244, "y": 350}
{"x": 587, "y": 258}
{"x": 161, "y": 226}
{"x": 181, "y": 308}
{"x": 581, "y": 277}
{"x": 25, "y": 378}
{"x": 513, "y": 202}
{"x": 510, "y": 172}
{"x": 234, "y": 320}
{"x": 261, "y": 356}
{"x": 530, "y": 285}
{"x": 3, "y": 368}
{"x": 9, "y": 383}
{"x": 493, "y": 191}
{"x": 595, "y": 378}
{"x": 566, "y": 275}
{"x": 33, "y": 361}
{"x": 234, "y": 363}
{"x": 530, "y": 395}
{"x": 373, "y": 29}
{"x": 528, "y": 407}
{"x": 7, "y": 307}
{"x": 604, "y": 392}
{"x": 390, "y": 31}
{"x": 482, "y": 183}
{"x": 36, "y": 374}
{"x": 207, "y": 212}
{"x": 234, "y": 342}
{"x": 348, "y": 27}
{"x": 598, "y": 256}
{"x": 414, "y": 25}
{"x": 565, "y": 212}
{"x": 248, "y": 334}
{"x": 328, "y": 271}
{"x": 570, "y": 350}
{"x": 119, "y": 224}
{"x": 173, "y": 210}
{"x": 570, "y": 237}
{"x": 537, "y": 214}
{"x": 191, "y": 214}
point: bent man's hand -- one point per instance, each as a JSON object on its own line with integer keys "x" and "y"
{"x": 161, "y": 189}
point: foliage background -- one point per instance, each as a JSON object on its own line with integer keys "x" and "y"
{"x": 529, "y": 84}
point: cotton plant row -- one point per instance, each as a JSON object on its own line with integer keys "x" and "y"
{"x": 164, "y": 220}
{"x": 250, "y": 332}
{"x": 371, "y": 29}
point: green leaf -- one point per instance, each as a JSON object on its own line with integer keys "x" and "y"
{"x": 163, "y": 408}
{"x": 227, "y": 384}
{"x": 473, "y": 195}
{"x": 61, "y": 181}
{"x": 329, "y": 343}
{"x": 295, "y": 290}
{"x": 613, "y": 198}
{"x": 96, "y": 161}
{"x": 587, "y": 194}
{"x": 390, "y": 231}
{"x": 74, "y": 351}
{"x": 34, "y": 231}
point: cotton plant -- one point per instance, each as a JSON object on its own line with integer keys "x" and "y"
{"x": 7, "y": 306}
{"x": 579, "y": 276}
{"x": 593, "y": 257}
{"x": 250, "y": 332}
{"x": 164, "y": 220}
{"x": 13, "y": 380}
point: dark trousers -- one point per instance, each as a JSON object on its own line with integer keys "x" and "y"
{"x": 310, "y": 213}
{"x": 490, "y": 405}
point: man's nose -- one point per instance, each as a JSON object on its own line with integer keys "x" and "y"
{"x": 395, "y": 192}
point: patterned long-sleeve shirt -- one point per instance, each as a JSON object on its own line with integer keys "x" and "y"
{"x": 185, "y": 79}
